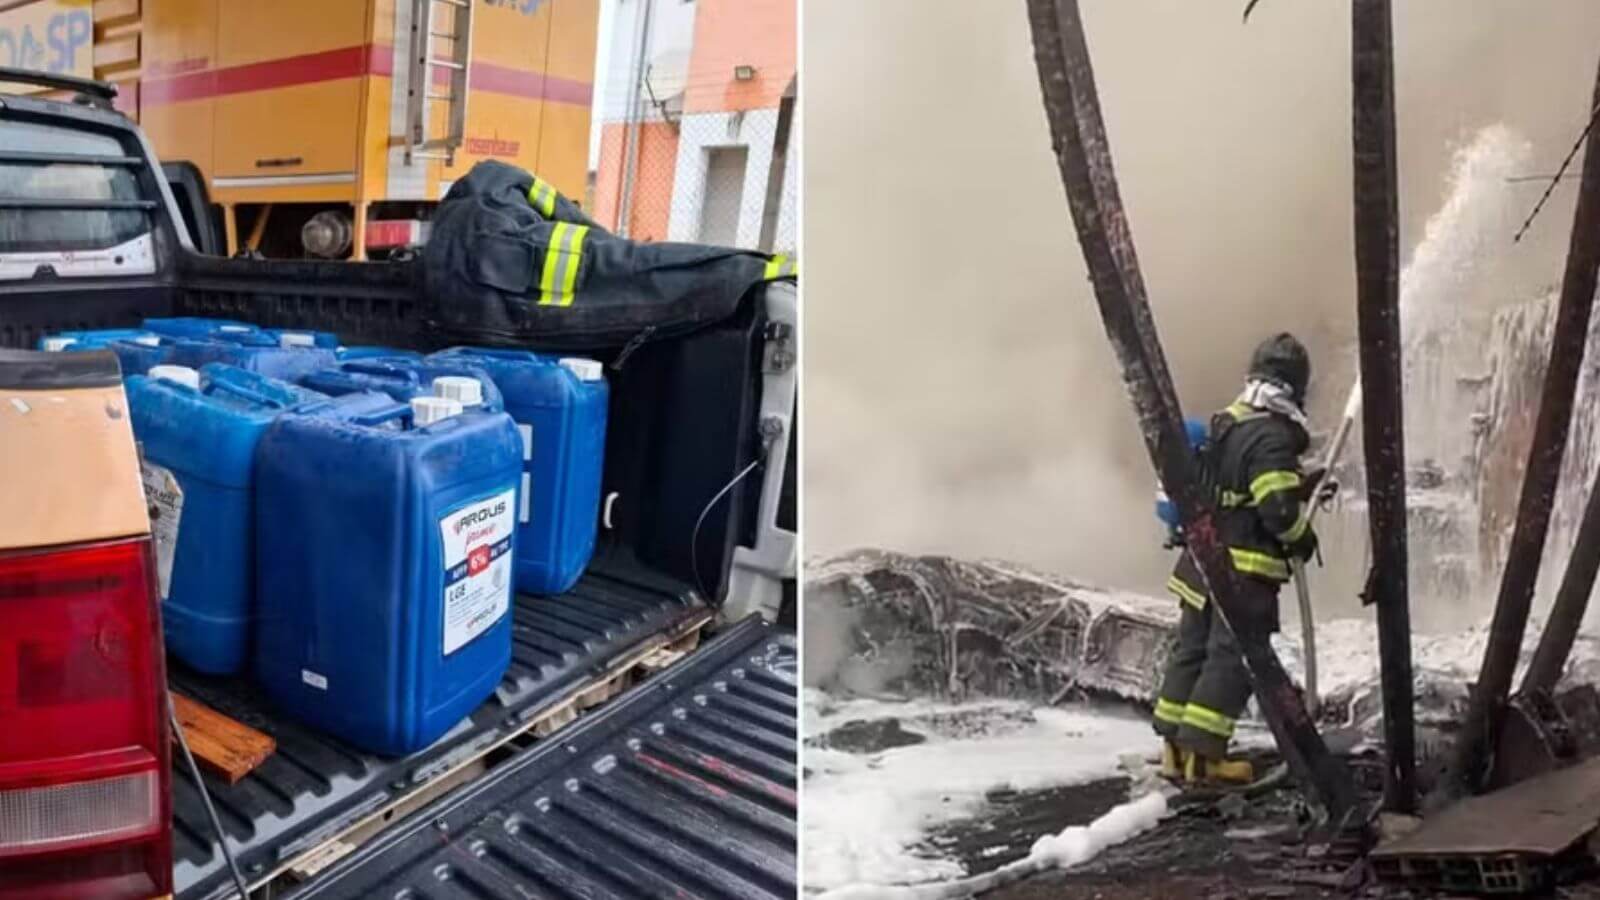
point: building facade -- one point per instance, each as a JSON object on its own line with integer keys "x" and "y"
{"x": 697, "y": 113}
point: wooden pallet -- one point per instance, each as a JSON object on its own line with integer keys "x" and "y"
{"x": 618, "y": 674}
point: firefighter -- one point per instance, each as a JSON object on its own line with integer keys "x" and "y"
{"x": 1252, "y": 462}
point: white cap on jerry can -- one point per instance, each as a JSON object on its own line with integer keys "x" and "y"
{"x": 58, "y": 344}
{"x": 177, "y": 375}
{"x": 585, "y": 369}
{"x": 296, "y": 339}
{"x": 428, "y": 410}
{"x": 463, "y": 389}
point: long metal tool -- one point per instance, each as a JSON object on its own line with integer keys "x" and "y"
{"x": 1383, "y": 421}
{"x": 1083, "y": 154}
{"x": 1572, "y": 598}
{"x": 1308, "y": 619}
{"x": 1538, "y": 484}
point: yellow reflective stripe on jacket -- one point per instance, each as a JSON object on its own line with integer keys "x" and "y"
{"x": 562, "y": 259}
{"x": 1208, "y": 720}
{"x": 1254, "y": 562}
{"x": 1298, "y": 529}
{"x": 1168, "y": 711}
{"x": 1234, "y": 499}
{"x": 1243, "y": 412}
{"x": 1268, "y": 483}
{"x": 1185, "y": 593}
{"x": 780, "y": 266}
{"x": 542, "y": 196}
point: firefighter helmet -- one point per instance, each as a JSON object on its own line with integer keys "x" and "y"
{"x": 1283, "y": 359}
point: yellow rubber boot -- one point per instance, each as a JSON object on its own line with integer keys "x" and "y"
{"x": 1198, "y": 770}
{"x": 1173, "y": 759}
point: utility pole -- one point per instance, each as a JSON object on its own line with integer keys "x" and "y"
{"x": 1539, "y": 482}
{"x": 1083, "y": 154}
{"x": 1383, "y": 421}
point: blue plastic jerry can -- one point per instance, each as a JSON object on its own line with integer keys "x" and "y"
{"x": 94, "y": 339}
{"x": 385, "y": 538}
{"x": 198, "y": 327}
{"x": 560, "y": 407}
{"x": 371, "y": 351}
{"x": 255, "y": 351}
{"x": 300, "y": 337}
{"x": 403, "y": 378}
{"x": 198, "y": 431}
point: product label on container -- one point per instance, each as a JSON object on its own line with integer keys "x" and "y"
{"x": 164, "y": 498}
{"x": 477, "y": 567}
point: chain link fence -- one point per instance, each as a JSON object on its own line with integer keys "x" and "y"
{"x": 725, "y": 178}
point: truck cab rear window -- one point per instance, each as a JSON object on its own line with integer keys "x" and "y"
{"x": 61, "y": 190}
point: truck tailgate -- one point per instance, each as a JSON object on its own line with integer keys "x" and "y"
{"x": 685, "y": 787}
{"x": 314, "y": 788}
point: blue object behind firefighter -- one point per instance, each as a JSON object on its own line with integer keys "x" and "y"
{"x": 1166, "y": 510}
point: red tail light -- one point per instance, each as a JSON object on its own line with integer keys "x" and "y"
{"x": 84, "y": 778}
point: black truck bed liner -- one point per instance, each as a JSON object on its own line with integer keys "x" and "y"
{"x": 684, "y": 787}
{"x": 315, "y": 788}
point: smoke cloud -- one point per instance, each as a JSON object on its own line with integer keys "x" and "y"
{"x": 960, "y": 395}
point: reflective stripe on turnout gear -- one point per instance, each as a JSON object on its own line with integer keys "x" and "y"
{"x": 561, "y": 261}
{"x": 543, "y": 197}
{"x": 1243, "y": 412}
{"x": 780, "y": 266}
{"x": 1298, "y": 529}
{"x": 1208, "y": 720}
{"x": 1168, "y": 711}
{"x": 1268, "y": 483}
{"x": 1186, "y": 593}
{"x": 1254, "y": 562}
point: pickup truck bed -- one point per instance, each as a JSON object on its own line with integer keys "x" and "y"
{"x": 314, "y": 789}
{"x": 691, "y": 416}
{"x": 683, "y": 788}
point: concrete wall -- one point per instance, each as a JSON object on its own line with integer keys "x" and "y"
{"x": 695, "y": 48}
{"x": 731, "y": 33}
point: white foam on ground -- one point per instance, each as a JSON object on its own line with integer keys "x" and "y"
{"x": 1081, "y": 843}
{"x": 1073, "y": 846}
{"x": 864, "y": 814}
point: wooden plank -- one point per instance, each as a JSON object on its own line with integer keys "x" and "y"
{"x": 1541, "y": 816}
{"x": 225, "y": 747}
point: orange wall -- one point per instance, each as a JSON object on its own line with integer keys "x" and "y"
{"x": 652, "y": 186}
{"x": 729, "y": 33}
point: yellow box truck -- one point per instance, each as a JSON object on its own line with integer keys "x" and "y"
{"x": 330, "y": 127}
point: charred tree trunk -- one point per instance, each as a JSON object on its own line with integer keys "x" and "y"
{"x": 1084, "y": 156}
{"x": 1572, "y": 599}
{"x": 1538, "y": 484}
{"x": 1378, "y": 327}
